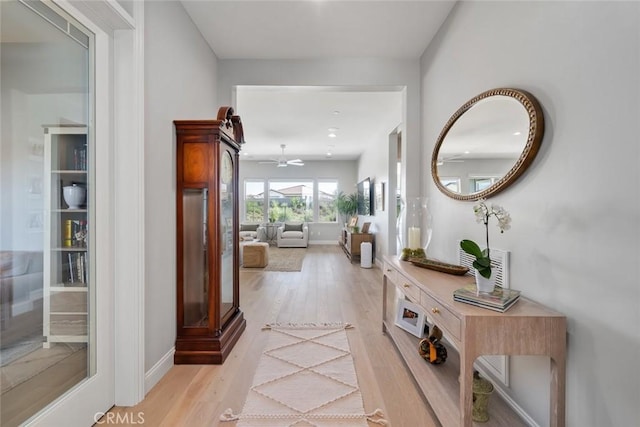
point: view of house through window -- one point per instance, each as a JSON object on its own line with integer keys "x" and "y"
{"x": 327, "y": 191}
{"x": 254, "y": 201}
{"x": 291, "y": 201}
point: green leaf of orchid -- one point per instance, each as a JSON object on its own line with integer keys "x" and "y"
{"x": 483, "y": 262}
{"x": 471, "y": 248}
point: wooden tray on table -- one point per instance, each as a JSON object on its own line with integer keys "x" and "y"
{"x": 440, "y": 266}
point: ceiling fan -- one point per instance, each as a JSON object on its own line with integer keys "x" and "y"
{"x": 452, "y": 159}
{"x": 282, "y": 161}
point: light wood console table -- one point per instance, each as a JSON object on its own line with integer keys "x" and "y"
{"x": 527, "y": 328}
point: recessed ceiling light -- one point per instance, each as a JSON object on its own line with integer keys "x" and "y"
{"x": 333, "y": 129}
{"x": 329, "y": 154}
{"x": 332, "y": 135}
{"x": 517, "y": 133}
{"x": 246, "y": 153}
{"x": 336, "y": 112}
{"x": 467, "y": 152}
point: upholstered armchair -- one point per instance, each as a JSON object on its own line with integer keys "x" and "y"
{"x": 249, "y": 231}
{"x": 293, "y": 235}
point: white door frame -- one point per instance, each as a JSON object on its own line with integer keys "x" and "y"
{"x": 119, "y": 142}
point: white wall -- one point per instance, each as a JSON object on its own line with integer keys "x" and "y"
{"x": 576, "y": 211}
{"x": 180, "y": 83}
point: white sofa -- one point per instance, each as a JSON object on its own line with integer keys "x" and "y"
{"x": 293, "y": 235}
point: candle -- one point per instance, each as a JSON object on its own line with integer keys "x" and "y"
{"x": 414, "y": 237}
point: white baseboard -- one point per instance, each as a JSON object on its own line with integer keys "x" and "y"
{"x": 159, "y": 370}
{"x": 36, "y": 295}
{"x": 517, "y": 408}
{"x": 21, "y": 307}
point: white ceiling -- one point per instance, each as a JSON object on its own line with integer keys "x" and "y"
{"x": 316, "y": 29}
{"x": 301, "y": 117}
{"x": 294, "y": 29}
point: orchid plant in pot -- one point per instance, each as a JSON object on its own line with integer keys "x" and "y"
{"x": 484, "y": 279}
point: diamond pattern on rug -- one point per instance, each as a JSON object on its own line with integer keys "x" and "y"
{"x": 306, "y": 354}
{"x": 306, "y": 377}
{"x": 291, "y": 391}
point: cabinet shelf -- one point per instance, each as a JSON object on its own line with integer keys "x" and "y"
{"x": 350, "y": 243}
{"x": 69, "y": 287}
{"x": 68, "y": 313}
{"x": 63, "y": 210}
{"x": 439, "y": 383}
{"x": 65, "y": 302}
{"x": 69, "y": 172}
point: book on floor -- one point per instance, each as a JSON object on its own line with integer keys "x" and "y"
{"x": 498, "y": 300}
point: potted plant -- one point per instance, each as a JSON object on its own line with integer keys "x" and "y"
{"x": 347, "y": 204}
{"x": 482, "y": 263}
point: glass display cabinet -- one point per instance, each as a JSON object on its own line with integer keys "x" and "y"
{"x": 209, "y": 320}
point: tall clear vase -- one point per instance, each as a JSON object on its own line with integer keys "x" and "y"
{"x": 414, "y": 226}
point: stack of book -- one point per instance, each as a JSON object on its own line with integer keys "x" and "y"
{"x": 499, "y": 300}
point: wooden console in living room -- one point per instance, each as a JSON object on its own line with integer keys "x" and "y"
{"x": 527, "y": 328}
{"x": 350, "y": 243}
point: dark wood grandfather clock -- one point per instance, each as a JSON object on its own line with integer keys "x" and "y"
{"x": 209, "y": 320}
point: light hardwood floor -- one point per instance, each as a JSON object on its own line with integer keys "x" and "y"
{"x": 328, "y": 289}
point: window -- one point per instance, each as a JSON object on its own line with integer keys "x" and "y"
{"x": 290, "y": 201}
{"x": 254, "y": 201}
{"x": 451, "y": 184}
{"x": 327, "y": 191}
{"x": 478, "y": 184}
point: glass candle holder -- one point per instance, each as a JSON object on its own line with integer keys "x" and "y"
{"x": 414, "y": 224}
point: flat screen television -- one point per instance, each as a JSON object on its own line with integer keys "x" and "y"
{"x": 365, "y": 198}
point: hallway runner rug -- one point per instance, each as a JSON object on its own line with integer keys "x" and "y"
{"x": 305, "y": 377}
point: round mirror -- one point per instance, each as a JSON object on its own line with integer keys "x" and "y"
{"x": 487, "y": 144}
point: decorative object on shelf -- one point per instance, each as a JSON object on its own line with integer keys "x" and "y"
{"x": 482, "y": 264}
{"x": 498, "y": 300}
{"x": 407, "y": 253}
{"x": 410, "y": 317}
{"x": 353, "y": 221}
{"x": 482, "y": 389}
{"x": 365, "y": 227}
{"x": 414, "y": 223}
{"x": 74, "y": 195}
{"x": 431, "y": 350}
{"x": 440, "y": 266}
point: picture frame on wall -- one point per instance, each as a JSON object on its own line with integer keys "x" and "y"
{"x": 379, "y": 190}
{"x": 410, "y": 317}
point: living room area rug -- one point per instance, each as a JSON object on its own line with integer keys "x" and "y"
{"x": 305, "y": 377}
{"x": 283, "y": 259}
